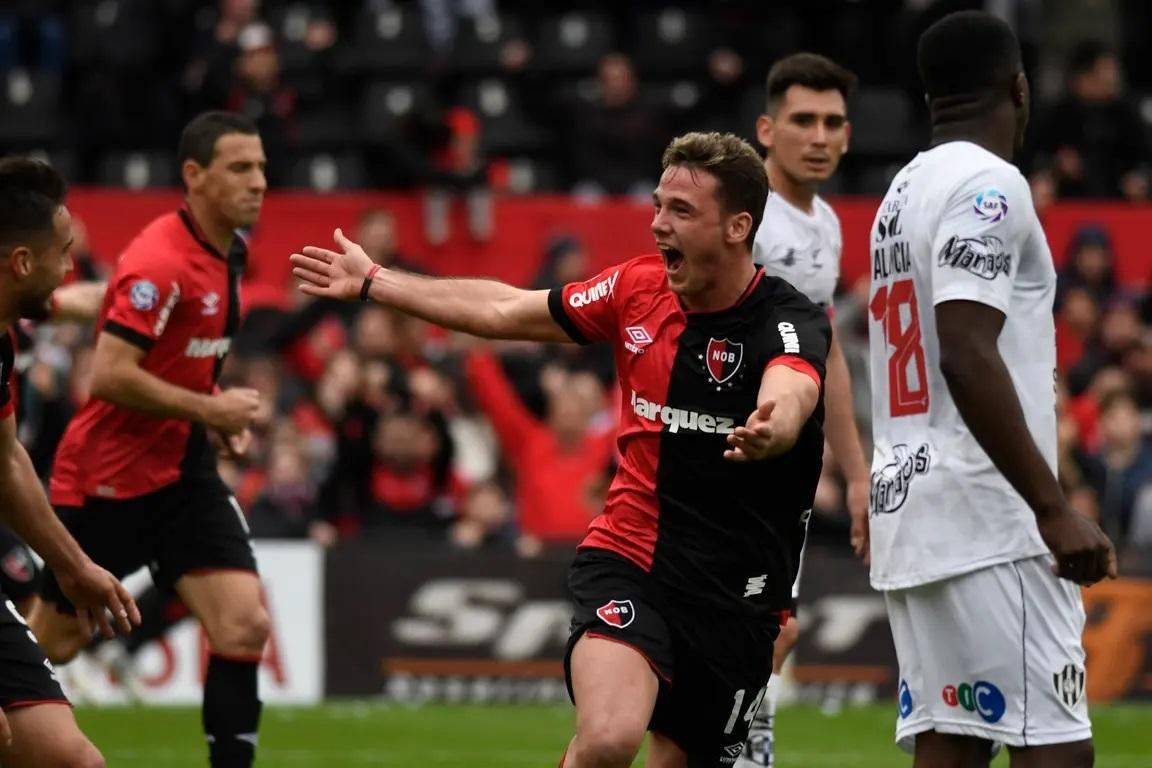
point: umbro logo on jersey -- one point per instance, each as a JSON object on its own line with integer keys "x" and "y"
{"x": 211, "y": 304}
{"x": 1069, "y": 685}
{"x": 723, "y": 358}
{"x": 637, "y": 338}
{"x": 617, "y": 613}
{"x": 595, "y": 293}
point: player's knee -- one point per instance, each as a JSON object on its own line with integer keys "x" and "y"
{"x": 608, "y": 744}
{"x": 83, "y": 756}
{"x": 245, "y": 633}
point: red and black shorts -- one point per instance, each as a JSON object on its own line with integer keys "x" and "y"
{"x": 26, "y": 677}
{"x": 190, "y": 526}
{"x": 713, "y": 666}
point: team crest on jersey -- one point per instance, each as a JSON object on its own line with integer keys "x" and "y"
{"x": 17, "y": 564}
{"x": 617, "y": 613}
{"x": 1069, "y": 685}
{"x": 723, "y": 358}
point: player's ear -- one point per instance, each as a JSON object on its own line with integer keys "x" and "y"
{"x": 192, "y": 173}
{"x": 847, "y": 135}
{"x": 765, "y": 124}
{"x": 21, "y": 260}
{"x": 738, "y": 228}
{"x": 1020, "y": 90}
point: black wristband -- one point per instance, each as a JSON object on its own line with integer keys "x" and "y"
{"x": 364, "y": 289}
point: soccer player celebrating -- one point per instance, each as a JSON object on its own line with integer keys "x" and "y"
{"x": 805, "y": 132}
{"x": 681, "y": 582}
{"x": 135, "y": 475}
{"x": 977, "y": 551}
{"x": 37, "y": 727}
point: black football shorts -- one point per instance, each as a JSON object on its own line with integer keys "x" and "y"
{"x": 193, "y": 525}
{"x": 713, "y": 666}
{"x": 26, "y": 677}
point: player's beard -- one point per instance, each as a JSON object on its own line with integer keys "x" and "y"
{"x": 35, "y": 306}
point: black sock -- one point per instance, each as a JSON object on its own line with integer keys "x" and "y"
{"x": 231, "y": 712}
{"x": 159, "y": 612}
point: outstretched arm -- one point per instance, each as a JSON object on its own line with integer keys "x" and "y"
{"x": 787, "y": 398}
{"x": 486, "y": 308}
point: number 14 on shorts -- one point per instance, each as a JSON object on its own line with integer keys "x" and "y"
{"x": 738, "y": 701}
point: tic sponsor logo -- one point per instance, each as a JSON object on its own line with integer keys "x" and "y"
{"x": 982, "y": 256}
{"x": 890, "y": 483}
{"x": 1069, "y": 685}
{"x": 617, "y": 613}
{"x": 904, "y": 700}
{"x": 981, "y": 697}
{"x": 594, "y": 293}
{"x": 991, "y": 206}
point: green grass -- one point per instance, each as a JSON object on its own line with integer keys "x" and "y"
{"x": 354, "y": 734}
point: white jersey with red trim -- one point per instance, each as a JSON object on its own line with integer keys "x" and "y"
{"x": 957, "y": 224}
{"x": 802, "y": 248}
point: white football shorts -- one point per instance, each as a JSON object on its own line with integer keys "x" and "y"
{"x": 994, "y": 654}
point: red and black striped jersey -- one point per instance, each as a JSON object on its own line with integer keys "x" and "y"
{"x": 710, "y": 531}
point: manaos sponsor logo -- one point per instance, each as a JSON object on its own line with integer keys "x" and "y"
{"x": 594, "y": 293}
{"x": 207, "y": 347}
{"x": 891, "y": 482}
{"x": 680, "y": 419}
{"x": 984, "y": 257}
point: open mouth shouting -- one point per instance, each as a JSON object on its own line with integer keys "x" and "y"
{"x": 673, "y": 258}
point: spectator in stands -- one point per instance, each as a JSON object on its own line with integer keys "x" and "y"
{"x": 1120, "y": 332}
{"x": 615, "y": 138}
{"x": 1090, "y": 264}
{"x": 456, "y": 167}
{"x": 258, "y": 92}
{"x": 285, "y": 508}
{"x": 565, "y": 261}
{"x": 485, "y": 520}
{"x": 1123, "y": 466}
{"x": 561, "y": 452}
{"x": 1093, "y": 140}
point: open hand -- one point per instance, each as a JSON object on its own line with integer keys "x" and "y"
{"x": 759, "y": 438}
{"x": 332, "y": 274}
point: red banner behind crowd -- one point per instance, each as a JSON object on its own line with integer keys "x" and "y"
{"x": 613, "y": 231}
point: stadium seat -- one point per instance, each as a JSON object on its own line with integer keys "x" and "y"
{"x": 386, "y": 39}
{"x": 673, "y": 41}
{"x": 291, "y": 22}
{"x": 63, "y": 160}
{"x": 506, "y": 129}
{"x": 480, "y": 40}
{"x": 882, "y": 123}
{"x": 323, "y": 128}
{"x": 530, "y": 175}
{"x": 386, "y": 108}
{"x": 29, "y": 107}
{"x": 326, "y": 172}
{"x": 117, "y": 32}
{"x": 574, "y": 41}
{"x": 138, "y": 170}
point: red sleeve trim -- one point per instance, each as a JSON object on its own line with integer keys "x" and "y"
{"x": 8, "y": 408}
{"x": 798, "y": 364}
{"x": 34, "y": 703}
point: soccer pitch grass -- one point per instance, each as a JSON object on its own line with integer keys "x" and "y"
{"x": 355, "y": 734}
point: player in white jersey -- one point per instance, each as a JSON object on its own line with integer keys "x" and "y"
{"x": 805, "y": 132}
{"x": 969, "y": 529}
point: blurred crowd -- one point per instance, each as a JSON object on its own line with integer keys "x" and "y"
{"x": 463, "y": 97}
{"x": 379, "y": 426}
{"x": 376, "y": 425}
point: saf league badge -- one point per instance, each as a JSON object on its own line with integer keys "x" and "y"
{"x": 144, "y": 295}
{"x": 723, "y": 358}
{"x": 617, "y": 613}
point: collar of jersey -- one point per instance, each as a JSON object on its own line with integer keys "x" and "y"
{"x": 238, "y": 251}
{"x": 755, "y": 281}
